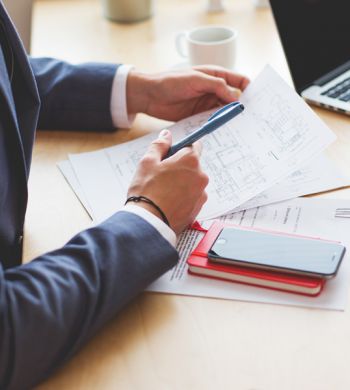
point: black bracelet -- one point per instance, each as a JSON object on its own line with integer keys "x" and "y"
{"x": 149, "y": 201}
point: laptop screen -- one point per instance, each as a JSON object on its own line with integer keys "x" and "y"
{"x": 315, "y": 35}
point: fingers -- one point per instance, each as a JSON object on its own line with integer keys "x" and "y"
{"x": 193, "y": 152}
{"x": 231, "y": 79}
{"x": 244, "y": 82}
{"x": 234, "y": 79}
{"x": 197, "y": 148}
{"x": 207, "y": 84}
{"x": 159, "y": 147}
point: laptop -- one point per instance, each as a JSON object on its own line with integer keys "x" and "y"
{"x": 315, "y": 36}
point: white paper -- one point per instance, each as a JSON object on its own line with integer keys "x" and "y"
{"x": 311, "y": 217}
{"x": 67, "y": 171}
{"x": 318, "y": 176}
{"x": 275, "y": 135}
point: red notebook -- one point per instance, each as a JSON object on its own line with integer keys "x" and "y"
{"x": 201, "y": 266}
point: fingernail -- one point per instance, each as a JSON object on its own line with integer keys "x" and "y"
{"x": 164, "y": 133}
{"x": 235, "y": 93}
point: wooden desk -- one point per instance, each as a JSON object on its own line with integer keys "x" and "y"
{"x": 167, "y": 341}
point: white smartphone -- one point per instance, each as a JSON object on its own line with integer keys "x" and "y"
{"x": 277, "y": 252}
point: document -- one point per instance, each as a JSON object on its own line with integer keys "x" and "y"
{"x": 276, "y": 135}
{"x": 318, "y": 176}
{"x": 310, "y": 217}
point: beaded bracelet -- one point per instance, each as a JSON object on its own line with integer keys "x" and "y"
{"x": 141, "y": 198}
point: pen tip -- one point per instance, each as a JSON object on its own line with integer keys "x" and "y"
{"x": 242, "y": 106}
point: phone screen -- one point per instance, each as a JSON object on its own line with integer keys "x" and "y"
{"x": 279, "y": 252}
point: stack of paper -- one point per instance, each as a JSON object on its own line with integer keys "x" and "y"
{"x": 269, "y": 153}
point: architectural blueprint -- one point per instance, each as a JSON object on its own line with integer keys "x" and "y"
{"x": 318, "y": 176}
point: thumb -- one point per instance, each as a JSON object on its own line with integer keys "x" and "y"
{"x": 160, "y": 146}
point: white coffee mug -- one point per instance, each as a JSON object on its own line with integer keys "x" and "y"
{"x": 213, "y": 45}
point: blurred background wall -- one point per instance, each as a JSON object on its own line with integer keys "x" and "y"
{"x": 21, "y": 13}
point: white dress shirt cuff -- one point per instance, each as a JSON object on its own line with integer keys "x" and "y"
{"x": 119, "y": 109}
{"x": 157, "y": 223}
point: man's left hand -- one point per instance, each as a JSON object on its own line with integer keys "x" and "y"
{"x": 176, "y": 95}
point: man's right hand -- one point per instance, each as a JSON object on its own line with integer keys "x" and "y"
{"x": 175, "y": 184}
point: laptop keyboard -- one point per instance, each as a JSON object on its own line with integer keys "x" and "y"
{"x": 339, "y": 91}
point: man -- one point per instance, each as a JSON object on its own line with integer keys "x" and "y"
{"x": 51, "y": 306}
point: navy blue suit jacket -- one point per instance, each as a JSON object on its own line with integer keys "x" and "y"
{"x": 49, "y": 307}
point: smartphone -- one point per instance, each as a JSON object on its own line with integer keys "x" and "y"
{"x": 277, "y": 252}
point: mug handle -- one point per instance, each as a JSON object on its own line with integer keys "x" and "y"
{"x": 179, "y": 43}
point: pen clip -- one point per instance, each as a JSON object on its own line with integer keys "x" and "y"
{"x": 220, "y": 110}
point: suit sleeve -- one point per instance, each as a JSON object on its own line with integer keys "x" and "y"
{"x": 76, "y": 97}
{"x": 52, "y": 305}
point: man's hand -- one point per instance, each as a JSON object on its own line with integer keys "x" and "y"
{"x": 175, "y": 184}
{"x": 179, "y": 94}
